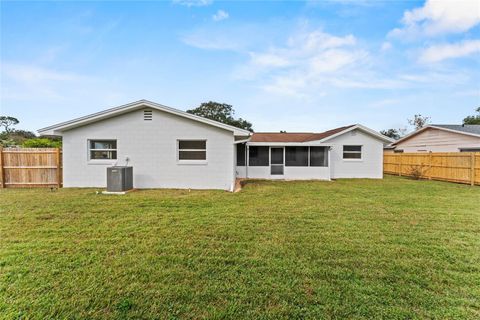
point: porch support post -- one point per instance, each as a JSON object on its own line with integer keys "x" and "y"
{"x": 329, "y": 163}
{"x": 247, "y": 159}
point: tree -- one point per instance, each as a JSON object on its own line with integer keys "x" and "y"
{"x": 221, "y": 112}
{"x": 419, "y": 121}
{"x": 473, "y": 119}
{"x": 393, "y": 133}
{"x": 8, "y": 122}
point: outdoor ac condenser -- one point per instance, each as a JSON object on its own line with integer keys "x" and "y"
{"x": 119, "y": 179}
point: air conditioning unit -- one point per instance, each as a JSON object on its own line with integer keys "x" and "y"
{"x": 119, "y": 179}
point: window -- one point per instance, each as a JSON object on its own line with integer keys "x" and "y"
{"x": 258, "y": 156}
{"x": 103, "y": 149}
{"x": 192, "y": 149}
{"x": 352, "y": 152}
{"x": 296, "y": 156}
{"x": 318, "y": 156}
{"x": 469, "y": 149}
{"x": 241, "y": 154}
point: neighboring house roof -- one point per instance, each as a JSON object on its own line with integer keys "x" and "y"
{"x": 60, "y": 127}
{"x": 467, "y": 129}
{"x": 304, "y": 137}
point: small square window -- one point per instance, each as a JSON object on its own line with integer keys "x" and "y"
{"x": 192, "y": 149}
{"x": 102, "y": 149}
{"x": 352, "y": 152}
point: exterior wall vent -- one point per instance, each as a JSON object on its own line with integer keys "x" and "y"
{"x": 147, "y": 115}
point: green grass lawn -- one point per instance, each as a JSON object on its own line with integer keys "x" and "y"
{"x": 394, "y": 248}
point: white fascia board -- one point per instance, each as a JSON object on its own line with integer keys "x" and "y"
{"x": 241, "y": 141}
{"x": 58, "y": 128}
{"x": 361, "y": 128}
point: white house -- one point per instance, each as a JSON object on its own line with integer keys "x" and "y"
{"x": 440, "y": 138}
{"x": 169, "y": 148}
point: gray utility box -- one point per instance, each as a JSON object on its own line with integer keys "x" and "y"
{"x": 119, "y": 179}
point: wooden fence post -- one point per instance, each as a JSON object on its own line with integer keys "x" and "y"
{"x": 59, "y": 168}
{"x": 472, "y": 169}
{"x": 2, "y": 178}
{"x": 429, "y": 166}
{"x": 400, "y": 165}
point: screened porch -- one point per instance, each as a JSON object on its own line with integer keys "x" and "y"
{"x": 282, "y": 161}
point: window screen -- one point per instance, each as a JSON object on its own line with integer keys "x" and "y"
{"x": 352, "y": 152}
{"x": 103, "y": 149}
{"x": 258, "y": 156}
{"x": 241, "y": 154}
{"x": 192, "y": 150}
{"x": 318, "y": 157}
{"x": 296, "y": 156}
{"x": 276, "y": 156}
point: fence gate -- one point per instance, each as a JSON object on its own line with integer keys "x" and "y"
{"x": 30, "y": 167}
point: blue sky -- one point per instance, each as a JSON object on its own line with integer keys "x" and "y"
{"x": 295, "y": 66}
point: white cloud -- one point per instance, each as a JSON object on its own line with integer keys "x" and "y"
{"x": 233, "y": 38}
{"x": 269, "y": 60}
{"x": 441, "y": 52}
{"x": 384, "y": 102}
{"x": 439, "y": 17}
{"x": 193, "y": 3}
{"x": 307, "y": 60}
{"x": 386, "y": 46}
{"x": 21, "y": 81}
{"x": 220, "y": 15}
{"x": 204, "y": 39}
{"x": 31, "y": 74}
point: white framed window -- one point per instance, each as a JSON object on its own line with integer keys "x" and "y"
{"x": 192, "y": 151}
{"x": 352, "y": 152}
{"x": 102, "y": 149}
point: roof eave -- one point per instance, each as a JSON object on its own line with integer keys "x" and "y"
{"x": 60, "y": 127}
{"x": 363, "y": 128}
{"x": 408, "y": 136}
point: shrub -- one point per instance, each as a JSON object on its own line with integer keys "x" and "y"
{"x": 42, "y": 143}
{"x": 417, "y": 172}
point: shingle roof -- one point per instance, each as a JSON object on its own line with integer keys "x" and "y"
{"x": 468, "y": 128}
{"x": 294, "y": 136}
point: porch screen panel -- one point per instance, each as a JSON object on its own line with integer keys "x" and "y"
{"x": 296, "y": 156}
{"x": 258, "y": 156}
{"x": 241, "y": 154}
{"x": 318, "y": 157}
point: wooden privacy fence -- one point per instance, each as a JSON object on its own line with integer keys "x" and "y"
{"x": 461, "y": 167}
{"x": 30, "y": 167}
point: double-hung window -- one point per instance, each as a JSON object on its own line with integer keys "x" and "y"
{"x": 102, "y": 149}
{"x": 352, "y": 152}
{"x": 192, "y": 150}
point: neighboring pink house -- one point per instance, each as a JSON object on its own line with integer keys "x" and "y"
{"x": 439, "y": 138}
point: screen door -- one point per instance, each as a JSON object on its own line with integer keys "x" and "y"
{"x": 276, "y": 161}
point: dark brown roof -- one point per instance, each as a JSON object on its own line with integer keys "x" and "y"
{"x": 294, "y": 136}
